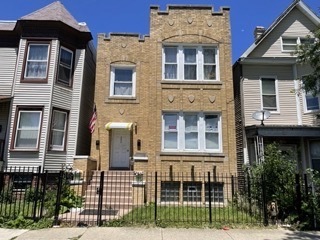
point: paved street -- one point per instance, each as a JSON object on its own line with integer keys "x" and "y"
{"x": 120, "y": 233}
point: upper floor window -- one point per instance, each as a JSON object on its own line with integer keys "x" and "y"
{"x": 190, "y": 63}
{"x": 58, "y": 130}
{"x": 123, "y": 81}
{"x": 269, "y": 94}
{"x": 65, "y": 66}
{"x": 36, "y": 66}
{"x": 312, "y": 102}
{"x": 289, "y": 44}
{"x": 27, "y": 131}
{"x": 193, "y": 132}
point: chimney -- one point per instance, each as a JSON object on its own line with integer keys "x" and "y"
{"x": 258, "y": 31}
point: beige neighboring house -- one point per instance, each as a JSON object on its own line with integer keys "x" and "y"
{"x": 266, "y": 78}
{"x": 165, "y": 101}
{"x": 47, "y": 72}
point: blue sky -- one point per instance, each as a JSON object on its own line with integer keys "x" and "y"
{"x": 105, "y": 16}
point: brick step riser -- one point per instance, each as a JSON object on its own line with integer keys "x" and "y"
{"x": 109, "y": 198}
{"x": 113, "y": 206}
{"x": 108, "y": 193}
{"x": 110, "y": 188}
{"x": 109, "y": 173}
{"x": 113, "y": 184}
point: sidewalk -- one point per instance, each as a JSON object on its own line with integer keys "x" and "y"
{"x": 120, "y": 233}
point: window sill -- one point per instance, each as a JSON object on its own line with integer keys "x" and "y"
{"x": 312, "y": 112}
{"x": 113, "y": 99}
{"x": 64, "y": 85}
{"x": 207, "y": 82}
{"x": 205, "y": 154}
{"x": 56, "y": 151}
{"x": 24, "y": 150}
{"x": 34, "y": 80}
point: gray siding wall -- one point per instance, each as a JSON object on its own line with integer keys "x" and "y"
{"x": 286, "y": 96}
{"x": 31, "y": 94}
{"x": 308, "y": 118}
{"x": 8, "y": 58}
{"x": 86, "y": 106}
{"x": 68, "y": 99}
{"x": 4, "y": 113}
{"x": 295, "y": 24}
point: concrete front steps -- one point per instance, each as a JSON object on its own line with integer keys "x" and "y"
{"x": 116, "y": 191}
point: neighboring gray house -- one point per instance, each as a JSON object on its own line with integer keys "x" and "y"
{"x": 47, "y": 77}
{"x": 266, "y": 77}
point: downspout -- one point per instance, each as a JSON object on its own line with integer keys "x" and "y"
{"x": 297, "y": 93}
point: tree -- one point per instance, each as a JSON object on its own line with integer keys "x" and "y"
{"x": 277, "y": 173}
{"x": 309, "y": 53}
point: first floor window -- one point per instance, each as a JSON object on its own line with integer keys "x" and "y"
{"x": 122, "y": 81}
{"x": 194, "y": 132}
{"x": 315, "y": 154}
{"x": 28, "y": 128}
{"x": 58, "y": 130}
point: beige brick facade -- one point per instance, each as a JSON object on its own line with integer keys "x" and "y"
{"x": 178, "y": 25}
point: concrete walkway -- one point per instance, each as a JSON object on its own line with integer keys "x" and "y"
{"x": 120, "y": 233}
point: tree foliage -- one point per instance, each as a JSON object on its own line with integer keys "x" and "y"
{"x": 309, "y": 53}
{"x": 277, "y": 174}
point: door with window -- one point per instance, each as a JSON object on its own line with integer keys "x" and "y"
{"x": 120, "y": 149}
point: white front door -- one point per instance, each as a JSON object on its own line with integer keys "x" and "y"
{"x": 120, "y": 148}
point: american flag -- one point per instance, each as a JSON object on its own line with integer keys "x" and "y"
{"x": 93, "y": 120}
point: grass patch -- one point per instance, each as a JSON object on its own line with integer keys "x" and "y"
{"x": 186, "y": 216}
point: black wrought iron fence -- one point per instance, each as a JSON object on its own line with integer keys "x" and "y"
{"x": 128, "y": 198}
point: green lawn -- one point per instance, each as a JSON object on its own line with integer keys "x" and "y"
{"x": 186, "y": 216}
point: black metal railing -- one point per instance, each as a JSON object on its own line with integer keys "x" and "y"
{"x": 114, "y": 198}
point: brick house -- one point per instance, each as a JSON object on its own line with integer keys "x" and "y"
{"x": 165, "y": 101}
{"x": 47, "y": 76}
{"x": 267, "y": 78}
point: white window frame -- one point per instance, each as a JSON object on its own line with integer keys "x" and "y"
{"x": 19, "y": 129}
{"x": 62, "y": 65}
{"x": 30, "y": 60}
{"x": 306, "y": 105}
{"x": 201, "y": 132}
{"x": 112, "y": 80}
{"x": 298, "y": 41}
{"x": 199, "y": 62}
{"x": 276, "y": 93}
{"x": 62, "y": 146}
{"x": 313, "y": 158}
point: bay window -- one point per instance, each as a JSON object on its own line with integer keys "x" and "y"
{"x": 65, "y": 66}
{"x": 58, "y": 130}
{"x": 197, "y": 63}
{"x": 36, "y": 66}
{"x": 191, "y": 132}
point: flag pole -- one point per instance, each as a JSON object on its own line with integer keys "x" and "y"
{"x": 99, "y": 159}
